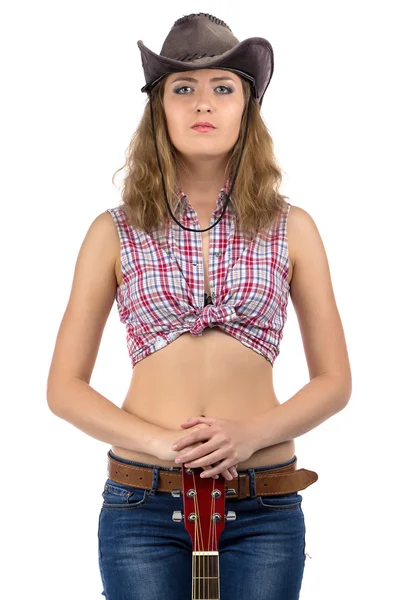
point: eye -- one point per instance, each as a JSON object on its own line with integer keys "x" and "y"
{"x": 226, "y": 87}
{"x": 178, "y": 89}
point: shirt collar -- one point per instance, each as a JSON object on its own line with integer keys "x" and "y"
{"x": 221, "y": 199}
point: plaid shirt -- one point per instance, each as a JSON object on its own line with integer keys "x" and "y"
{"x": 162, "y": 293}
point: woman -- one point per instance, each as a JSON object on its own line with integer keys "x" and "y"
{"x": 202, "y": 277}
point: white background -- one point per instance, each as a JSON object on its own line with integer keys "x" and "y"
{"x": 71, "y": 75}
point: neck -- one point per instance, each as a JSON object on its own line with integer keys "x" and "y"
{"x": 205, "y": 575}
{"x": 202, "y": 182}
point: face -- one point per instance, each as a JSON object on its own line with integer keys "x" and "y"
{"x": 220, "y": 102}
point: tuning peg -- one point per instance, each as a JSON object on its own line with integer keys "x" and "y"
{"x": 176, "y": 493}
{"x": 230, "y": 515}
{"x": 177, "y": 516}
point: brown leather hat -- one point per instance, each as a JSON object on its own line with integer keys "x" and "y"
{"x": 201, "y": 41}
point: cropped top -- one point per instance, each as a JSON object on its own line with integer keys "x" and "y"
{"x": 162, "y": 296}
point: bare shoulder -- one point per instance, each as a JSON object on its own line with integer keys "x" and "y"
{"x": 308, "y": 256}
{"x": 106, "y": 223}
{"x": 301, "y": 228}
{"x": 103, "y": 231}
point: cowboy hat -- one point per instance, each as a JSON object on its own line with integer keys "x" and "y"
{"x": 201, "y": 41}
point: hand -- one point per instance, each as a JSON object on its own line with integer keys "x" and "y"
{"x": 170, "y": 436}
{"x": 228, "y": 441}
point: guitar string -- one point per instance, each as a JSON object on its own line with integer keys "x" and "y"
{"x": 194, "y": 582}
{"x": 196, "y": 530}
{"x": 211, "y": 533}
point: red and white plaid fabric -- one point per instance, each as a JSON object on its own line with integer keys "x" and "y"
{"x": 161, "y": 294}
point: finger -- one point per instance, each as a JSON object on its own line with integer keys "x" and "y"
{"x": 193, "y": 424}
{"x": 198, "y": 417}
{"x": 209, "y": 467}
{"x": 200, "y": 435}
{"x": 217, "y": 469}
{"x": 191, "y": 438}
{"x": 230, "y": 474}
{"x": 205, "y": 456}
{"x": 233, "y": 472}
{"x": 191, "y": 421}
{"x": 199, "y": 456}
{"x": 194, "y": 420}
{"x": 227, "y": 475}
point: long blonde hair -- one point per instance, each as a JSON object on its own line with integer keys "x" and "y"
{"x": 255, "y": 198}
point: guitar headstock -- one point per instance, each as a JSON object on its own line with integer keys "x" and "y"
{"x": 203, "y": 508}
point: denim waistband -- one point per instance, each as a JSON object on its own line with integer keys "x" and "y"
{"x": 156, "y": 468}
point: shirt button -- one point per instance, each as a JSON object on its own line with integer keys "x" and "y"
{"x": 217, "y": 253}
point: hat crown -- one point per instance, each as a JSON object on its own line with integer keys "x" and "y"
{"x": 197, "y": 36}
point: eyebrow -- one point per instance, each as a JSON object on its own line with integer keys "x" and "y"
{"x": 195, "y": 80}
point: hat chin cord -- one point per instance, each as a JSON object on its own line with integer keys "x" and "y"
{"x": 162, "y": 177}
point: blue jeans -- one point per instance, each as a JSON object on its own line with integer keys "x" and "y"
{"x": 145, "y": 555}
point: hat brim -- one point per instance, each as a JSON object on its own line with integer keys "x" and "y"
{"x": 253, "y": 58}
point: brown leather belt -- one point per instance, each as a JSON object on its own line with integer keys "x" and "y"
{"x": 280, "y": 480}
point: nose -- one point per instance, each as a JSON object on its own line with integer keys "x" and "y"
{"x": 203, "y": 100}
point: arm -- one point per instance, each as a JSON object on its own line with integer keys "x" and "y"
{"x": 78, "y": 403}
{"x": 318, "y": 400}
{"x": 69, "y": 395}
{"x": 324, "y": 343}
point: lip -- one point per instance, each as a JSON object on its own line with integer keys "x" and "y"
{"x": 201, "y": 129}
{"x": 203, "y": 124}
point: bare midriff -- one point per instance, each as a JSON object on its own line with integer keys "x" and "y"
{"x": 214, "y": 375}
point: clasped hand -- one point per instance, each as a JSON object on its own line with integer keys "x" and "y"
{"x": 226, "y": 440}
